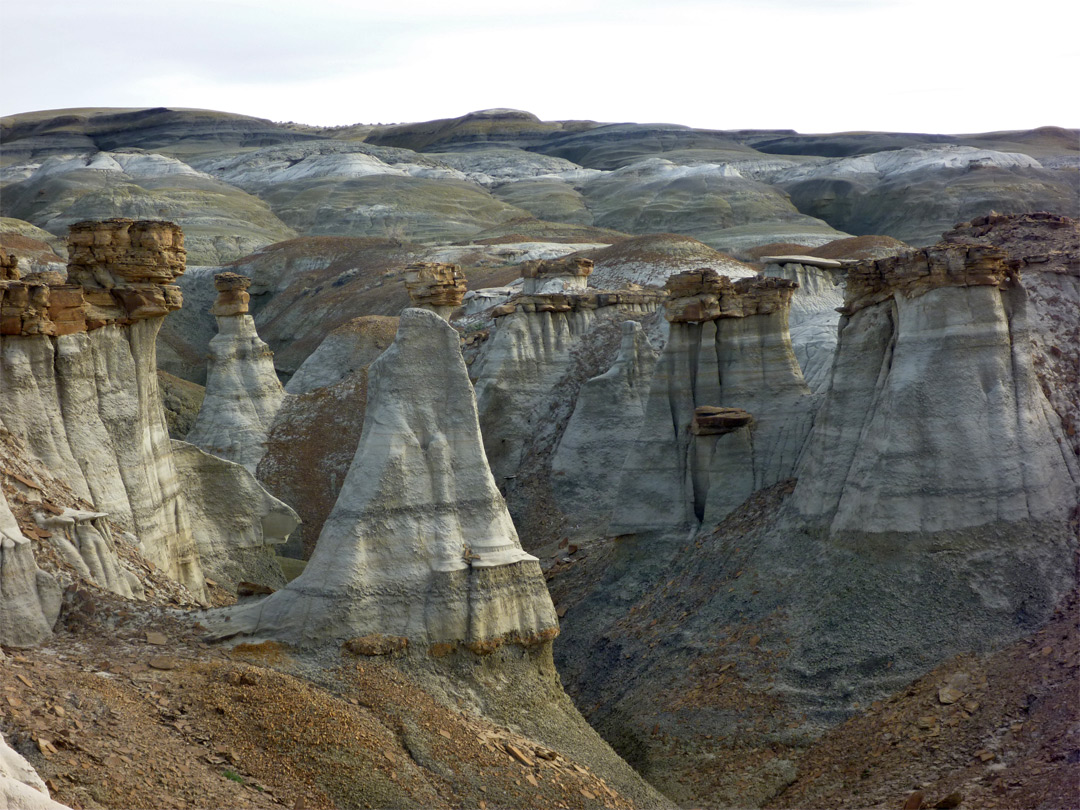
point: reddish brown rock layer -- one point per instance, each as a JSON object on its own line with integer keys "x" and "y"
{"x": 120, "y": 271}
{"x": 232, "y": 297}
{"x": 704, "y": 295}
{"x": 9, "y": 266}
{"x": 550, "y": 268}
{"x": 435, "y": 286}
{"x": 917, "y": 272}
{"x": 573, "y": 302}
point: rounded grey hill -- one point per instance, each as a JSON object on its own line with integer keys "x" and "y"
{"x": 388, "y": 206}
{"x": 221, "y": 222}
{"x": 712, "y": 203}
{"x": 179, "y": 132}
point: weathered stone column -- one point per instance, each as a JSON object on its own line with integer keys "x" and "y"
{"x": 243, "y": 393}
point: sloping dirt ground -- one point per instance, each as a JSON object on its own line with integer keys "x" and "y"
{"x": 1001, "y": 731}
{"x": 127, "y": 708}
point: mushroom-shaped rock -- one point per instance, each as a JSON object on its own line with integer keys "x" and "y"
{"x": 243, "y": 393}
{"x": 80, "y": 388}
{"x": 566, "y": 275}
{"x": 419, "y": 544}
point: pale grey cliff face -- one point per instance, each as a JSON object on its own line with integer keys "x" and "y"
{"x": 813, "y": 319}
{"x": 607, "y": 417}
{"x": 728, "y": 348}
{"x": 85, "y": 542}
{"x": 529, "y": 353}
{"x": 934, "y": 419}
{"x": 29, "y": 597}
{"x": 237, "y": 524}
{"x": 930, "y": 516}
{"x": 419, "y": 544}
{"x": 81, "y": 389}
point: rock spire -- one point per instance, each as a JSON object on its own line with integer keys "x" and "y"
{"x": 243, "y": 393}
{"x": 419, "y": 546}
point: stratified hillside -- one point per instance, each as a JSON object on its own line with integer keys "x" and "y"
{"x": 237, "y": 183}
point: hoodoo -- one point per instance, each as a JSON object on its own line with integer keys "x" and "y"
{"x": 934, "y": 419}
{"x": 532, "y": 350}
{"x": 243, "y": 393}
{"x": 419, "y": 545}
{"x": 29, "y": 597}
{"x": 79, "y": 376}
{"x": 728, "y": 347}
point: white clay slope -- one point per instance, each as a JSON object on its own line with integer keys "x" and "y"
{"x": 419, "y": 544}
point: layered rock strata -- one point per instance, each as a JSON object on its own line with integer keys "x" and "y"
{"x": 29, "y": 597}
{"x": 530, "y": 352}
{"x": 607, "y": 417}
{"x": 243, "y": 393}
{"x": 728, "y": 348}
{"x": 933, "y": 514}
{"x": 896, "y": 450}
{"x": 85, "y": 541}
{"x": 569, "y": 275}
{"x": 419, "y": 544}
{"x": 813, "y": 316}
{"x": 78, "y": 372}
{"x": 435, "y": 286}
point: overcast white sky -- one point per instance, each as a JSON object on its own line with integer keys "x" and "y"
{"x": 946, "y": 66}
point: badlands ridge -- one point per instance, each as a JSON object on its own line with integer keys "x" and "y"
{"x": 463, "y": 464}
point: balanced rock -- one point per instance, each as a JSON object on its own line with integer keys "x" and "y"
{"x": 80, "y": 387}
{"x": 243, "y": 393}
{"x": 419, "y": 544}
{"x": 435, "y": 286}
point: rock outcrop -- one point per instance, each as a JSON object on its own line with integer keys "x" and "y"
{"x": 813, "y": 317}
{"x": 238, "y": 525}
{"x": 29, "y": 597}
{"x": 435, "y": 286}
{"x": 85, "y": 541}
{"x": 570, "y": 275}
{"x": 345, "y": 351}
{"x": 78, "y": 371}
{"x": 607, "y": 417}
{"x": 728, "y": 347}
{"x": 243, "y": 393}
{"x": 419, "y": 544}
{"x": 896, "y": 450}
{"x": 529, "y": 354}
